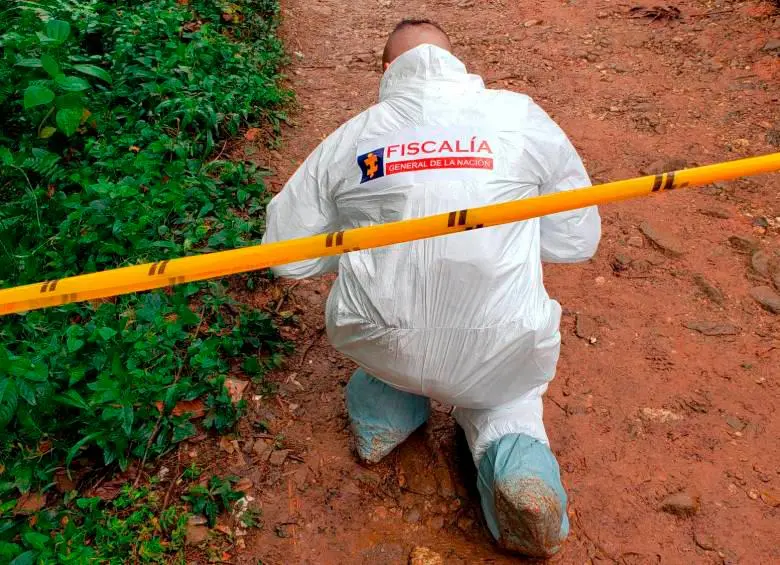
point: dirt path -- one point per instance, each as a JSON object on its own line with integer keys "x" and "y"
{"x": 642, "y": 406}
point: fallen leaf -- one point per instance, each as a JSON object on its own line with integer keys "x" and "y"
{"x": 252, "y": 134}
{"x": 196, "y": 408}
{"x": 63, "y": 482}
{"x": 30, "y": 503}
{"x": 226, "y": 445}
{"x": 235, "y": 388}
{"x": 244, "y": 485}
{"x": 224, "y": 529}
{"x": 108, "y": 491}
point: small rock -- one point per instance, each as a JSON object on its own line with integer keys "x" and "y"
{"x": 368, "y": 478}
{"x": 412, "y": 516}
{"x": 770, "y": 499}
{"x": 761, "y": 263}
{"x": 743, "y": 244}
{"x": 364, "y": 57}
{"x": 465, "y": 523}
{"x": 662, "y": 239}
{"x": 195, "y": 535}
{"x": 715, "y": 213}
{"x": 752, "y": 494}
{"x": 760, "y": 222}
{"x": 444, "y": 480}
{"x": 736, "y": 423}
{"x": 262, "y": 450}
{"x": 681, "y": 503}
{"x": 661, "y": 415}
{"x": 197, "y": 520}
{"x": 425, "y": 556}
{"x": 532, "y": 23}
{"x": 620, "y": 262}
{"x": 636, "y": 241}
{"x": 709, "y": 290}
{"x": 771, "y": 45}
{"x": 767, "y": 297}
{"x": 704, "y": 540}
{"x": 435, "y": 522}
{"x": 776, "y": 279}
{"x": 586, "y": 327}
{"x": 278, "y": 457}
{"x": 712, "y": 328}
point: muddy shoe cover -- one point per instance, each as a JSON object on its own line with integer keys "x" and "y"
{"x": 522, "y": 496}
{"x": 381, "y": 416}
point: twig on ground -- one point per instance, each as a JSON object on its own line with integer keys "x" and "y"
{"x": 320, "y": 333}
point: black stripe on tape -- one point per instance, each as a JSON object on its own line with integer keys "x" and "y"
{"x": 669, "y": 182}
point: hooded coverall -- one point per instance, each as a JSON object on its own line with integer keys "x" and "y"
{"x": 463, "y": 319}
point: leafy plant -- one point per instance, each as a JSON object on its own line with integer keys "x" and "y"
{"x": 113, "y": 120}
{"x": 212, "y": 499}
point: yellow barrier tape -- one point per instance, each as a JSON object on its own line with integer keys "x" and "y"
{"x": 188, "y": 269}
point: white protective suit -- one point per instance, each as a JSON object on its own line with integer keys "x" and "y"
{"x": 464, "y": 318}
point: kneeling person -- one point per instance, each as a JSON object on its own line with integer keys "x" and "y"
{"x": 463, "y": 319}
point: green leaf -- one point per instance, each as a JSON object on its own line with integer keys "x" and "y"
{"x": 106, "y": 333}
{"x": 26, "y": 391}
{"x": 57, "y": 30}
{"x": 127, "y": 419}
{"x": 72, "y": 398}
{"x": 68, "y": 120}
{"x": 73, "y": 100}
{"x": 31, "y": 63}
{"x": 73, "y": 343}
{"x": 79, "y": 444}
{"x": 9, "y": 400}
{"x": 26, "y": 558}
{"x": 5, "y": 360}
{"x": 93, "y": 71}
{"x": 37, "y": 96}
{"x": 50, "y": 65}
{"x": 71, "y": 84}
{"x": 47, "y": 132}
{"x": 36, "y": 540}
{"x": 8, "y": 550}
{"x": 77, "y": 375}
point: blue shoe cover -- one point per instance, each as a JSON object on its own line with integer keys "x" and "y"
{"x": 381, "y": 416}
{"x": 522, "y": 496}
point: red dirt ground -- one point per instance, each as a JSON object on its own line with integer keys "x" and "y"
{"x": 642, "y": 406}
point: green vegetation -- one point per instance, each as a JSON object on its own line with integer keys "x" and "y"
{"x": 113, "y": 118}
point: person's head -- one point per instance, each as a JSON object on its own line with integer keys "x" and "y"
{"x": 411, "y": 33}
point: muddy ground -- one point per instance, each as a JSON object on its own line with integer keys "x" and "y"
{"x": 668, "y": 382}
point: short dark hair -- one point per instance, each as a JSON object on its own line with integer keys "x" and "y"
{"x": 407, "y": 23}
{"x": 412, "y": 22}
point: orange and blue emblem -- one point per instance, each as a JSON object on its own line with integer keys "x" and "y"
{"x": 372, "y": 164}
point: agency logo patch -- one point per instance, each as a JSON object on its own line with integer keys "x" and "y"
{"x": 425, "y": 150}
{"x": 372, "y": 164}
